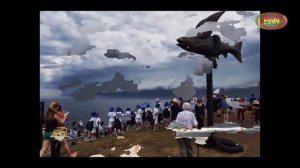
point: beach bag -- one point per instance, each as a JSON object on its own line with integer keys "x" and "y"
{"x": 90, "y": 125}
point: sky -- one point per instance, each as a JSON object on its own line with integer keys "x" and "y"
{"x": 111, "y": 51}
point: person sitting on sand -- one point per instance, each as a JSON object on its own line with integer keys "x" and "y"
{"x": 187, "y": 118}
{"x": 52, "y": 119}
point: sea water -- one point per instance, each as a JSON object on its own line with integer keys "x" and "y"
{"x": 82, "y": 110}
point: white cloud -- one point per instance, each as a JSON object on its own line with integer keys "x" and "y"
{"x": 149, "y": 36}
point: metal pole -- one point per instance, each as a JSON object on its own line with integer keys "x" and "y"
{"x": 209, "y": 96}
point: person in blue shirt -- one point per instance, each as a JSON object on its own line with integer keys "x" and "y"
{"x": 224, "y": 108}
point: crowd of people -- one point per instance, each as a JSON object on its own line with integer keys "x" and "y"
{"x": 192, "y": 113}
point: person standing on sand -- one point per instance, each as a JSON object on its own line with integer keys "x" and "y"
{"x": 224, "y": 108}
{"x": 156, "y": 112}
{"x": 55, "y": 144}
{"x": 52, "y": 119}
{"x": 111, "y": 118}
{"x": 175, "y": 109}
{"x": 149, "y": 115}
{"x": 256, "y": 107}
{"x": 200, "y": 113}
{"x": 138, "y": 117}
{"x": 241, "y": 110}
{"x": 187, "y": 118}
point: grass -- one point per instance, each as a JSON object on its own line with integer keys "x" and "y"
{"x": 161, "y": 143}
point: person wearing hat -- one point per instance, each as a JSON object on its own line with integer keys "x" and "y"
{"x": 93, "y": 132}
{"x": 111, "y": 118}
{"x": 156, "y": 113}
{"x": 187, "y": 118}
{"x": 175, "y": 109}
{"x": 256, "y": 107}
{"x": 128, "y": 111}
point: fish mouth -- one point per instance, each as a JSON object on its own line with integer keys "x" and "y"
{"x": 181, "y": 43}
{"x": 184, "y": 46}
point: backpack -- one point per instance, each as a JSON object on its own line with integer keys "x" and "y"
{"x": 90, "y": 125}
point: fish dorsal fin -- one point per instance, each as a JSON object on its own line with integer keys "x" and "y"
{"x": 212, "y": 18}
{"x": 204, "y": 35}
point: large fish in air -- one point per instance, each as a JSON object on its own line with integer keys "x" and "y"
{"x": 210, "y": 46}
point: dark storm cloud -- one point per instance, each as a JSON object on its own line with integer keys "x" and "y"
{"x": 87, "y": 92}
{"x": 74, "y": 82}
{"x": 186, "y": 90}
{"x": 114, "y": 53}
{"x": 118, "y": 82}
{"x": 245, "y": 13}
{"x": 184, "y": 54}
{"x": 78, "y": 49}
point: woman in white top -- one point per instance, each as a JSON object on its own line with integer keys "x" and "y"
{"x": 111, "y": 118}
{"x": 187, "y": 118}
{"x": 138, "y": 117}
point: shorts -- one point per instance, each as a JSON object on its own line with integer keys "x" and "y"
{"x": 47, "y": 136}
{"x": 138, "y": 120}
{"x": 110, "y": 124}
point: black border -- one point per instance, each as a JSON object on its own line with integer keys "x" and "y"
{"x": 272, "y": 48}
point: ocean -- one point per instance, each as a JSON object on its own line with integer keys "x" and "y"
{"x": 82, "y": 110}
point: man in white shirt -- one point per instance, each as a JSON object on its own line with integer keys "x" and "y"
{"x": 187, "y": 118}
{"x": 111, "y": 118}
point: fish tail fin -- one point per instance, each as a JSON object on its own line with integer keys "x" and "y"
{"x": 237, "y": 51}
